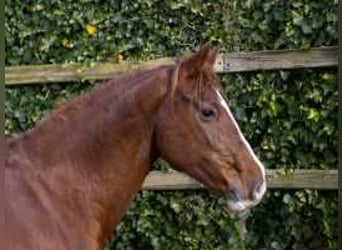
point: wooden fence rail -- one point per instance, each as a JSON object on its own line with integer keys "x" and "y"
{"x": 231, "y": 62}
{"x": 310, "y": 179}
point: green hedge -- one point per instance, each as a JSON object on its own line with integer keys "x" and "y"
{"x": 290, "y": 117}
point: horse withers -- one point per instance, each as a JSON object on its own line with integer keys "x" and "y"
{"x": 70, "y": 180}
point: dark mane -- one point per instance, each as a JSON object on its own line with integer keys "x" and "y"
{"x": 123, "y": 83}
{"x": 64, "y": 110}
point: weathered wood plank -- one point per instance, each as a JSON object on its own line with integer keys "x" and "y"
{"x": 33, "y": 74}
{"x": 231, "y": 62}
{"x": 280, "y": 59}
{"x": 310, "y": 179}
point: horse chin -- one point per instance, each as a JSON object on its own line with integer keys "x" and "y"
{"x": 238, "y": 207}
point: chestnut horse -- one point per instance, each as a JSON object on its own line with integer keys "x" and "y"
{"x": 70, "y": 180}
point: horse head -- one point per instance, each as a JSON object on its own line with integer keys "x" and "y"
{"x": 197, "y": 134}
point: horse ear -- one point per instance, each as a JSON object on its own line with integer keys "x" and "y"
{"x": 203, "y": 59}
{"x": 206, "y": 56}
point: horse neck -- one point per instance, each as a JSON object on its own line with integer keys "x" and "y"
{"x": 101, "y": 146}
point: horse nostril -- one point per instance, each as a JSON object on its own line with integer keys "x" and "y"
{"x": 234, "y": 195}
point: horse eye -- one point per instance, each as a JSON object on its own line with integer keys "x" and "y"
{"x": 208, "y": 113}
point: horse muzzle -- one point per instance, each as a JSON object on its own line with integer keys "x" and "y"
{"x": 238, "y": 202}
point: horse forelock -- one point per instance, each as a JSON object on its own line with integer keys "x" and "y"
{"x": 203, "y": 79}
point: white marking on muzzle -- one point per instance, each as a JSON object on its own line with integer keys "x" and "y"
{"x": 239, "y": 206}
{"x": 262, "y": 190}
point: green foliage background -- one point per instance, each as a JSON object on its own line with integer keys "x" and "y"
{"x": 290, "y": 117}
